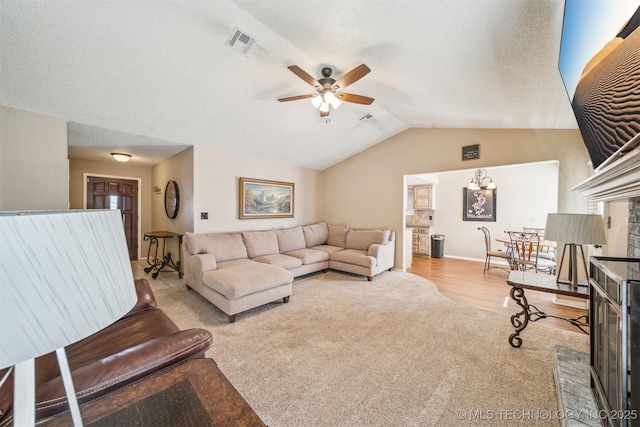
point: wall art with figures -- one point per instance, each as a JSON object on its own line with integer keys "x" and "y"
{"x": 479, "y": 205}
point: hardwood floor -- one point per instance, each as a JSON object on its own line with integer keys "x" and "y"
{"x": 463, "y": 281}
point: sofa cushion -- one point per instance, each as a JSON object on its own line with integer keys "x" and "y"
{"x": 315, "y": 234}
{"x": 284, "y": 261}
{"x": 235, "y": 279}
{"x": 260, "y": 243}
{"x": 309, "y": 256}
{"x": 290, "y": 239}
{"x": 327, "y": 248}
{"x": 338, "y": 235}
{"x": 223, "y": 246}
{"x": 362, "y": 239}
{"x": 354, "y": 256}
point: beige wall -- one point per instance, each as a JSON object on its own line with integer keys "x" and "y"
{"x": 366, "y": 190}
{"x": 525, "y": 194}
{"x": 33, "y": 161}
{"x": 178, "y": 168}
{"x": 77, "y": 190}
{"x": 216, "y": 175}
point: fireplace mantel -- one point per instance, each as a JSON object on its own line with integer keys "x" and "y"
{"x": 618, "y": 180}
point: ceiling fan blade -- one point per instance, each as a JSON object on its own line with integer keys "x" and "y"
{"x": 304, "y": 75}
{"x": 356, "y": 99}
{"x": 351, "y": 77}
{"x": 295, "y": 98}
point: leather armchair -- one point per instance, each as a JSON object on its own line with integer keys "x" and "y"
{"x": 141, "y": 343}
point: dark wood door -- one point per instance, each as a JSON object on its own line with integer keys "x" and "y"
{"x": 114, "y": 193}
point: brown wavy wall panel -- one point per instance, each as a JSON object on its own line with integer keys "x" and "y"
{"x": 607, "y": 100}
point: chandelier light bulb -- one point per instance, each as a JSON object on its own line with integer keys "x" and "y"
{"x": 324, "y": 107}
{"x": 316, "y": 101}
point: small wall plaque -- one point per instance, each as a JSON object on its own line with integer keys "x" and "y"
{"x": 471, "y": 152}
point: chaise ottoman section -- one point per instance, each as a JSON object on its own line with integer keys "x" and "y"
{"x": 239, "y": 285}
{"x": 237, "y": 278}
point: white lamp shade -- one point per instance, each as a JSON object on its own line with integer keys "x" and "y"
{"x": 316, "y": 101}
{"x": 586, "y": 229}
{"x": 63, "y": 276}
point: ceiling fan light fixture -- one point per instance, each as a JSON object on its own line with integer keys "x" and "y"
{"x": 316, "y": 101}
{"x": 329, "y": 97}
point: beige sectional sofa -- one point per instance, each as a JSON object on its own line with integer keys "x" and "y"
{"x": 242, "y": 270}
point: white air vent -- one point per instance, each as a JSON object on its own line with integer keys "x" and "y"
{"x": 240, "y": 41}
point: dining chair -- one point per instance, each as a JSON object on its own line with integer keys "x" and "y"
{"x": 489, "y": 253}
{"x": 547, "y": 252}
{"x": 526, "y": 248}
{"x": 538, "y": 231}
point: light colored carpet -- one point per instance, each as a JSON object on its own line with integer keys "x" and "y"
{"x": 348, "y": 352}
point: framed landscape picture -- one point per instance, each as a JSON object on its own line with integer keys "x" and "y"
{"x": 260, "y": 198}
{"x": 479, "y": 205}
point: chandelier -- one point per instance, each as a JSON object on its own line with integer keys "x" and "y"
{"x": 477, "y": 182}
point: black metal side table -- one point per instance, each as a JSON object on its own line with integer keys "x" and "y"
{"x": 520, "y": 280}
{"x": 165, "y": 261}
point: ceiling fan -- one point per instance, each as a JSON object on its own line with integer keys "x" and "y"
{"x": 328, "y": 90}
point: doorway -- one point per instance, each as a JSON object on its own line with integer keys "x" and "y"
{"x": 117, "y": 193}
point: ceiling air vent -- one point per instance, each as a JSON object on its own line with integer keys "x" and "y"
{"x": 240, "y": 41}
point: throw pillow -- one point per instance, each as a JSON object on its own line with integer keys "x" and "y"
{"x": 224, "y": 247}
{"x": 290, "y": 239}
{"x": 315, "y": 234}
{"x": 362, "y": 239}
{"x": 338, "y": 235}
{"x": 260, "y": 243}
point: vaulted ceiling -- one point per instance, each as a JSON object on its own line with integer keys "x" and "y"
{"x": 153, "y": 77}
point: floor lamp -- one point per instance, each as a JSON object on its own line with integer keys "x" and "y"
{"x": 574, "y": 230}
{"x": 63, "y": 276}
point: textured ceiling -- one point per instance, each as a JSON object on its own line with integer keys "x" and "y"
{"x": 154, "y": 77}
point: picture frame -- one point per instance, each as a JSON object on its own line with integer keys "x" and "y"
{"x": 261, "y": 198}
{"x": 479, "y": 205}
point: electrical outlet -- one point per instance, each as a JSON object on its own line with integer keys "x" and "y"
{"x": 204, "y": 215}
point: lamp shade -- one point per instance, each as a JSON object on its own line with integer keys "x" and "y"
{"x": 586, "y": 229}
{"x": 63, "y": 276}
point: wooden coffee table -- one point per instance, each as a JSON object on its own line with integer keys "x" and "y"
{"x": 195, "y": 393}
{"x": 521, "y": 280}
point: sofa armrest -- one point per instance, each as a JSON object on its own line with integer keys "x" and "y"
{"x": 384, "y": 254}
{"x": 146, "y": 300}
{"x": 102, "y": 376}
{"x": 204, "y": 262}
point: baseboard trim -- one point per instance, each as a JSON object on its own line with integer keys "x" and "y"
{"x": 494, "y": 261}
{"x": 570, "y": 302}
